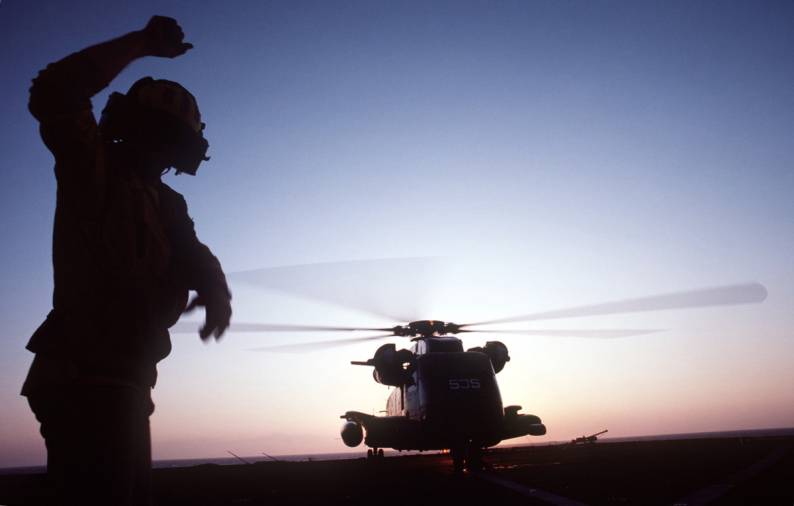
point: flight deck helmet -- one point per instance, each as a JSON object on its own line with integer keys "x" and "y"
{"x": 158, "y": 114}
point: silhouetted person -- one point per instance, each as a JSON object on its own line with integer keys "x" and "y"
{"x": 125, "y": 256}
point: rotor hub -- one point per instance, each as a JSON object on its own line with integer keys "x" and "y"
{"x": 426, "y": 328}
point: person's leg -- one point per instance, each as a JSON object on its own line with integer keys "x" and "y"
{"x": 98, "y": 444}
{"x": 142, "y": 484}
{"x": 55, "y": 433}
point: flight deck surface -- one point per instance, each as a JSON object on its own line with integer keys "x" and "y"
{"x": 740, "y": 470}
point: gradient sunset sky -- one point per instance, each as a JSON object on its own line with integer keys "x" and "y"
{"x": 549, "y": 154}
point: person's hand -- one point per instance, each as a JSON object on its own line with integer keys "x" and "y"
{"x": 164, "y": 37}
{"x": 218, "y": 314}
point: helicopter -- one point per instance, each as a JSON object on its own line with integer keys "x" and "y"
{"x": 445, "y": 397}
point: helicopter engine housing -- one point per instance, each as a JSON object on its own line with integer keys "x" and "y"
{"x": 497, "y": 352}
{"x": 352, "y": 433}
{"x": 390, "y": 365}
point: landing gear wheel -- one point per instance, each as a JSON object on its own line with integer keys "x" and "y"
{"x": 380, "y": 453}
{"x": 457, "y": 459}
{"x": 369, "y": 453}
{"x": 474, "y": 458}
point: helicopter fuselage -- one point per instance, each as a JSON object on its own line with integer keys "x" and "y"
{"x": 447, "y": 398}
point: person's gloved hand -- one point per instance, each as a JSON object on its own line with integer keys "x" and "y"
{"x": 164, "y": 37}
{"x": 218, "y": 313}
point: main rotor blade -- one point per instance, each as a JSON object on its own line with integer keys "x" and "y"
{"x": 189, "y": 327}
{"x": 391, "y": 288}
{"x": 318, "y": 345}
{"x": 588, "y": 333}
{"x": 748, "y": 293}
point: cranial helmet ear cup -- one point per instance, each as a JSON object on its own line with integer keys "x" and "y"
{"x": 194, "y": 152}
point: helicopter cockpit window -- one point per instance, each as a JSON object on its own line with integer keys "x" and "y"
{"x": 444, "y": 345}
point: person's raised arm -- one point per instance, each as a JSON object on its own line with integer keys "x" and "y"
{"x": 60, "y": 97}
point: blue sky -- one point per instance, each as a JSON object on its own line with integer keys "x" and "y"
{"x": 556, "y": 153}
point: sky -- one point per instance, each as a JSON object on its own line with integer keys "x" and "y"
{"x": 533, "y": 155}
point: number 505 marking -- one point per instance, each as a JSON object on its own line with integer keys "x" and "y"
{"x": 464, "y": 384}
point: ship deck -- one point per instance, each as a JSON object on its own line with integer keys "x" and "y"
{"x": 736, "y": 470}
